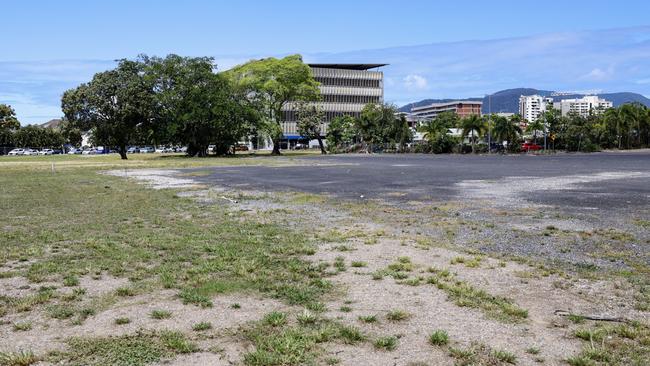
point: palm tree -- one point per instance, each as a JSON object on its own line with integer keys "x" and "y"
{"x": 473, "y": 125}
{"x": 505, "y": 130}
{"x": 535, "y": 126}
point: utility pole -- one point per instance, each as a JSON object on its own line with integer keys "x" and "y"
{"x": 489, "y": 123}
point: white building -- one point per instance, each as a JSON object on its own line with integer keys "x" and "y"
{"x": 532, "y": 106}
{"x": 583, "y": 106}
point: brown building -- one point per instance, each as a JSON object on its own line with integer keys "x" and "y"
{"x": 462, "y": 108}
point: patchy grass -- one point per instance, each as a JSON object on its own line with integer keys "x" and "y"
{"x": 122, "y": 321}
{"x": 388, "y": 343}
{"x": 397, "y": 315}
{"x": 295, "y": 344}
{"x": 368, "y": 318}
{"x": 20, "y": 358}
{"x": 137, "y": 349}
{"x": 480, "y": 354}
{"x": 198, "y": 327}
{"x": 617, "y": 345}
{"x": 466, "y": 295}
{"x": 275, "y": 319}
{"x": 160, "y": 314}
{"x": 22, "y": 326}
{"x": 151, "y": 237}
{"x": 439, "y": 338}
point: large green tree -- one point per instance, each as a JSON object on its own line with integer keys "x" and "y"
{"x": 341, "y": 132}
{"x": 8, "y": 124}
{"x": 310, "y": 122}
{"x": 271, "y": 84}
{"x": 378, "y": 127}
{"x": 195, "y": 106}
{"x": 114, "y": 105}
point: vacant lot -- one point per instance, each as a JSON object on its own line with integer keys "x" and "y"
{"x": 383, "y": 260}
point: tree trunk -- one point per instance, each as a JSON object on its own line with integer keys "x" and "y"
{"x": 320, "y": 144}
{"x": 122, "y": 151}
{"x": 276, "y": 147}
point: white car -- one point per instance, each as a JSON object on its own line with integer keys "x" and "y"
{"x": 31, "y": 152}
{"x": 160, "y": 150}
{"x": 74, "y": 151}
{"x": 16, "y": 152}
{"x": 89, "y": 152}
{"x": 46, "y": 152}
{"x": 147, "y": 150}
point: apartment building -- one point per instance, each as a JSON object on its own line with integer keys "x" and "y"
{"x": 583, "y": 106}
{"x": 532, "y": 106}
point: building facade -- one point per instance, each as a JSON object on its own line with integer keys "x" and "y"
{"x": 345, "y": 89}
{"x": 583, "y": 106}
{"x": 463, "y": 108}
{"x": 532, "y": 106}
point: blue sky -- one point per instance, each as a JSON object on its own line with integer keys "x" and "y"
{"x": 436, "y": 49}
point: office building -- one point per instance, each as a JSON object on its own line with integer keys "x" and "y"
{"x": 463, "y": 108}
{"x": 345, "y": 89}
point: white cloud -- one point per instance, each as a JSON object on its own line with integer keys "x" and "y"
{"x": 598, "y": 74}
{"x": 415, "y": 82}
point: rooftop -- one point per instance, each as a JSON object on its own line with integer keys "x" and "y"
{"x": 445, "y": 104}
{"x": 348, "y": 66}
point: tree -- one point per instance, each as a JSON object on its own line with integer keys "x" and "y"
{"x": 378, "y": 126}
{"x": 114, "y": 104}
{"x": 534, "y": 127}
{"x": 340, "y": 132}
{"x": 506, "y": 130}
{"x": 8, "y": 124}
{"x": 310, "y": 122}
{"x": 273, "y": 83}
{"x": 195, "y": 106}
{"x": 472, "y": 126}
{"x": 8, "y": 120}
{"x": 436, "y": 132}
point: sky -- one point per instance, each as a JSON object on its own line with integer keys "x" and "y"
{"x": 436, "y": 49}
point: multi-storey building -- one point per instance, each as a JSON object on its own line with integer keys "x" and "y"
{"x": 583, "y": 106}
{"x": 345, "y": 89}
{"x": 462, "y": 108}
{"x": 532, "y": 106}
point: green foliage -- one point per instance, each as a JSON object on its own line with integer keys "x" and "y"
{"x": 341, "y": 133}
{"x": 114, "y": 104}
{"x": 311, "y": 121}
{"x": 122, "y": 321}
{"x": 397, "y": 315}
{"x": 270, "y": 84}
{"x": 436, "y": 132}
{"x": 275, "y": 319}
{"x": 379, "y": 128}
{"x": 161, "y": 314}
{"x": 202, "y": 326}
{"x": 473, "y": 127}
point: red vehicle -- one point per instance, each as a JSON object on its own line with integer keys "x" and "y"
{"x": 529, "y": 146}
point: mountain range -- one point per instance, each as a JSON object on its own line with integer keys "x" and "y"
{"x": 507, "y": 101}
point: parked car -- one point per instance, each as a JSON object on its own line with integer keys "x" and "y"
{"x": 133, "y": 150}
{"x": 57, "y": 152}
{"x": 160, "y": 150}
{"x": 241, "y": 148}
{"x": 46, "y": 152}
{"x": 529, "y": 146}
{"x": 16, "y": 152}
{"x": 31, "y": 152}
{"x": 301, "y": 146}
{"x": 74, "y": 151}
{"x": 147, "y": 150}
{"x": 89, "y": 152}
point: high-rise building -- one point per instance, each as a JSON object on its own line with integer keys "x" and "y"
{"x": 532, "y": 106}
{"x": 583, "y": 106}
{"x": 462, "y": 108}
{"x": 345, "y": 89}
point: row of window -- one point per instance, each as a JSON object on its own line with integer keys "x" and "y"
{"x": 292, "y": 116}
{"x": 362, "y": 83}
{"x": 359, "y": 99}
